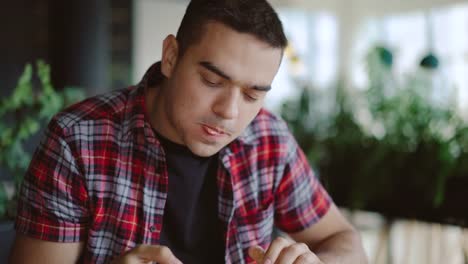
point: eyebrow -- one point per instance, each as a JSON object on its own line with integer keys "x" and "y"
{"x": 209, "y": 66}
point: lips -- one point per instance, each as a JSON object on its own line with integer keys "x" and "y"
{"x": 213, "y": 131}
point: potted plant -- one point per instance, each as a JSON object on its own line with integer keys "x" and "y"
{"x": 22, "y": 115}
{"x": 388, "y": 148}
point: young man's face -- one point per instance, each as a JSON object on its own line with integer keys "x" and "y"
{"x": 215, "y": 89}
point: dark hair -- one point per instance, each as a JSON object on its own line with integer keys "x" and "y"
{"x": 255, "y": 17}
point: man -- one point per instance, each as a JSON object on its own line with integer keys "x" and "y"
{"x": 186, "y": 167}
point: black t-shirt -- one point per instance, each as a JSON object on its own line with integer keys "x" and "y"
{"x": 191, "y": 227}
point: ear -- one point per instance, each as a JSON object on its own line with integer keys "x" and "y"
{"x": 170, "y": 54}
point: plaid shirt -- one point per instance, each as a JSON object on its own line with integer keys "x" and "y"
{"x": 99, "y": 176}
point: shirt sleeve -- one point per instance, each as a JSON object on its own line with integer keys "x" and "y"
{"x": 301, "y": 199}
{"x": 52, "y": 204}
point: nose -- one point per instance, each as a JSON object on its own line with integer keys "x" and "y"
{"x": 226, "y": 105}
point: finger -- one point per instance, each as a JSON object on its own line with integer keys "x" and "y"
{"x": 308, "y": 258}
{"x": 257, "y": 253}
{"x": 160, "y": 254}
{"x": 292, "y": 252}
{"x": 275, "y": 249}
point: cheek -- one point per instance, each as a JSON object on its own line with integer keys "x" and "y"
{"x": 190, "y": 99}
{"x": 183, "y": 90}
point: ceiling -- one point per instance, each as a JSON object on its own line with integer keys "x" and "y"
{"x": 368, "y": 7}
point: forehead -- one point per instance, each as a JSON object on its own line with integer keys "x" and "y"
{"x": 243, "y": 56}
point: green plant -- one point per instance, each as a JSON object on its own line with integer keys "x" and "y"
{"x": 22, "y": 114}
{"x": 389, "y": 148}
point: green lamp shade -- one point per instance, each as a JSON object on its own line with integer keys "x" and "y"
{"x": 385, "y": 56}
{"x": 430, "y": 62}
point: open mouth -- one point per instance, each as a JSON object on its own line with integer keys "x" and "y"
{"x": 213, "y": 131}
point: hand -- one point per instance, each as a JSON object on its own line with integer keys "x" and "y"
{"x": 283, "y": 251}
{"x": 148, "y": 254}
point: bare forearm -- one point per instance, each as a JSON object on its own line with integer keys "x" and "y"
{"x": 30, "y": 250}
{"x": 343, "y": 247}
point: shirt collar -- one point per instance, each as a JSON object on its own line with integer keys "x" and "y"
{"x": 136, "y": 119}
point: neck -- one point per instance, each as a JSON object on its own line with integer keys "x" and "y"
{"x": 156, "y": 108}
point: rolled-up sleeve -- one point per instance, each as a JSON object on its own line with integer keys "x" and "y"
{"x": 53, "y": 202}
{"x": 301, "y": 199}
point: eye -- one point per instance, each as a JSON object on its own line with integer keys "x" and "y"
{"x": 210, "y": 83}
{"x": 250, "y": 98}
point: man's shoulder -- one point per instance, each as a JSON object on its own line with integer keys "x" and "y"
{"x": 267, "y": 124}
{"x": 267, "y": 127}
{"x": 101, "y": 108}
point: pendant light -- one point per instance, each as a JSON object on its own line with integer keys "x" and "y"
{"x": 430, "y": 61}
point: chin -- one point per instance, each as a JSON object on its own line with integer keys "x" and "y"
{"x": 204, "y": 150}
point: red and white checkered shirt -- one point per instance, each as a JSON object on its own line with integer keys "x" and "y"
{"x": 99, "y": 176}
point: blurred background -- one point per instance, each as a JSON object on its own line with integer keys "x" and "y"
{"x": 376, "y": 93}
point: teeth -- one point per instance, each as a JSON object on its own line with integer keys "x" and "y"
{"x": 212, "y": 131}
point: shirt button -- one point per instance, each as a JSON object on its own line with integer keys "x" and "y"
{"x": 152, "y": 229}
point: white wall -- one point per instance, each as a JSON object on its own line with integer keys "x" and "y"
{"x": 154, "y": 20}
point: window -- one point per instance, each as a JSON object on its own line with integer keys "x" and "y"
{"x": 411, "y": 36}
{"x": 311, "y": 57}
